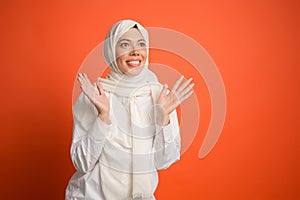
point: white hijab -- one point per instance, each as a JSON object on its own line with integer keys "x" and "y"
{"x": 116, "y": 81}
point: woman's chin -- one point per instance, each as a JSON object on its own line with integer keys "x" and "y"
{"x": 134, "y": 71}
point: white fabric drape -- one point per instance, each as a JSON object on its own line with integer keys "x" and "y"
{"x": 119, "y": 161}
{"x": 103, "y": 154}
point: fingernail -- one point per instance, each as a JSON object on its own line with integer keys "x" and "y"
{"x": 166, "y": 85}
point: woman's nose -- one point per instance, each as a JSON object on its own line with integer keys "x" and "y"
{"x": 135, "y": 52}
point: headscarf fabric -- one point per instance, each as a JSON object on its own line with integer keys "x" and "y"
{"x": 116, "y": 81}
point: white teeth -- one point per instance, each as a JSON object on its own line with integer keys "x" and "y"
{"x": 134, "y": 62}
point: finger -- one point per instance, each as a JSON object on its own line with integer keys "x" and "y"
{"x": 86, "y": 79}
{"x": 184, "y": 85}
{"x": 100, "y": 88}
{"x": 80, "y": 79}
{"x": 164, "y": 90}
{"x": 186, "y": 90}
{"x": 175, "y": 86}
{"x": 186, "y": 96}
{"x": 88, "y": 85}
{"x": 84, "y": 74}
{"x": 79, "y": 75}
{"x": 84, "y": 84}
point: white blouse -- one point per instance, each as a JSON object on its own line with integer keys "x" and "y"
{"x": 112, "y": 164}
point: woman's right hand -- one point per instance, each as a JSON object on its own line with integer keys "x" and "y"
{"x": 96, "y": 95}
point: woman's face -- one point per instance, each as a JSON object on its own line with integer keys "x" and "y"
{"x": 131, "y": 52}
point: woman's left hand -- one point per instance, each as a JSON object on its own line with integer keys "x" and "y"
{"x": 170, "y": 99}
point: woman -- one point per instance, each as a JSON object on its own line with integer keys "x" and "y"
{"x": 125, "y": 126}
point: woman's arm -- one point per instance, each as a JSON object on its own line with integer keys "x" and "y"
{"x": 87, "y": 144}
{"x": 91, "y": 119}
{"x": 167, "y": 143}
{"x": 167, "y": 139}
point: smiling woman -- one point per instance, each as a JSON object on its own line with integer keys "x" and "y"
{"x": 125, "y": 126}
{"x": 131, "y": 52}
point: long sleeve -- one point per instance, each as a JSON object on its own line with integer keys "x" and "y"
{"x": 89, "y": 135}
{"x": 167, "y": 143}
{"x": 86, "y": 150}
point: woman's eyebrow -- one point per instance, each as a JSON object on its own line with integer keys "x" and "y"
{"x": 131, "y": 40}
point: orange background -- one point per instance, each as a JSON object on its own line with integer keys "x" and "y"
{"x": 255, "y": 45}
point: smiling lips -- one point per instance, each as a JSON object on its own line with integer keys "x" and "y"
{"x": 133, "y": 63}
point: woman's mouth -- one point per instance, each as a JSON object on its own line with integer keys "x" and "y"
{"x": 133, "y": 63}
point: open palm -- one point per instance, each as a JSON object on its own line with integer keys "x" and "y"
{"x": 96, "y": 95}
{"x": 170, "y": 99}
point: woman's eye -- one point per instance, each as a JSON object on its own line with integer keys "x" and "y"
{"x": 142, "y": 44}
{"x": 124, "y": 44}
